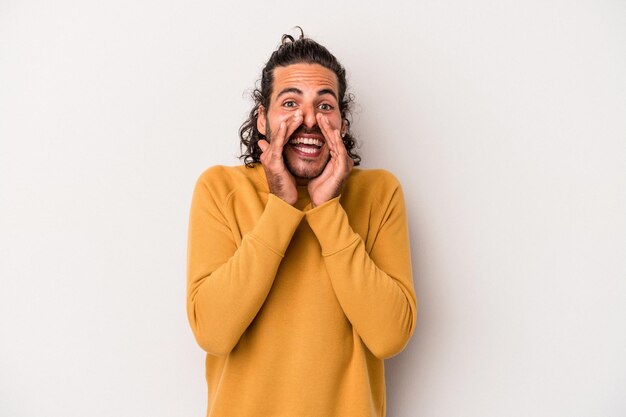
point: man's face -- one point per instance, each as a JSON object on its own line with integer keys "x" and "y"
{"x": 310, "y": 89}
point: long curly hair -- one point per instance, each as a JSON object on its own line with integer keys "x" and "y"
{"x": 292, "y": 51}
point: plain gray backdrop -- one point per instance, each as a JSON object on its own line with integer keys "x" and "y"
{"x": 505, "y": 121}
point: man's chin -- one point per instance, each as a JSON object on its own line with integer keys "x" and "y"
{"x": 305, "y": 173}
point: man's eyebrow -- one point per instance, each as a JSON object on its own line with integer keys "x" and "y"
{"x": 289, "y": 90}
{"x": 298, "y": 91}
{"x": 327, "y": 91}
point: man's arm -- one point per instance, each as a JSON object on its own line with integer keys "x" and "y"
{"x": 374, "y": 289}
{"x": 228, "y": 283}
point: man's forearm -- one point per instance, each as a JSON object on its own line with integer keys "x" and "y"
{"x": 374, "y": 289}
{"x": 227, "y": 285}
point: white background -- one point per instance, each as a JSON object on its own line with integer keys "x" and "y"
{"x": 504, "y": 120}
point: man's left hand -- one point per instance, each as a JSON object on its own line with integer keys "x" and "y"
{"x": 331, "y": 181}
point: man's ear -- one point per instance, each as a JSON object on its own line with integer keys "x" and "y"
{"x": 344, "y": 127}
{"x": 260, "y": 120}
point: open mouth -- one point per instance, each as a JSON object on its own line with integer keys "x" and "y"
{"x": 308, "y": 146}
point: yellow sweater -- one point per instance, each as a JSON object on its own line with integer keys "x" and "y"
{"x": 297, "y": 307}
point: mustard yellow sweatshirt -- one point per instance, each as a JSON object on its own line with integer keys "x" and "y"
{"x": 297, "y": 307}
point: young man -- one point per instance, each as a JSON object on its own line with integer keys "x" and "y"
{"x": 299, "y": 272}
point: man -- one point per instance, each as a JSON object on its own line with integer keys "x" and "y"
{"x": 299, "y": 273}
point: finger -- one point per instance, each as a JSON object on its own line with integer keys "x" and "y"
{"x": 322, "y": 122}
{"x": 288, "y": 126}
{"x": 263, "y": 145}
{"x": 336, "y": 137}
{"x": 338, "y": 151}
{"x": 275, "y": 150}
{"x": 341, "y": 148}
{"x": 276, "y": 139}
{"x": 293, "y": 123}
{"x": 333, "y": 137}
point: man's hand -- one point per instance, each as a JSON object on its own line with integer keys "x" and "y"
{"x": 331, "y": 181}
{"x": 281, "y": 182}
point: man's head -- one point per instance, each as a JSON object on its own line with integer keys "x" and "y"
{"x": 300, "y": 76}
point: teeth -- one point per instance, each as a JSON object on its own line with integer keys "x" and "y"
{"x": 306, "y": 141}
{"x": 306, "y": 150}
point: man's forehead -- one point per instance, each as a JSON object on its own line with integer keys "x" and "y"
{"x": 304, "y": 76}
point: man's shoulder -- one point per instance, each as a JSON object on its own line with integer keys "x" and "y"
{"x": 223, "y": 180}
{"x": 377, "y": 185}
{"x": 221, "y": 173}
{"x": 372, "y": 178}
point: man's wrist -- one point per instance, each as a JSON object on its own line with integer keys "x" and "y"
{"x": 290, "y": 201}
{"x": 277, "y": 224}
{"x": 329, "y": 222}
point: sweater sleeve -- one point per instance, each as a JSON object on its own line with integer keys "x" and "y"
{"x": 374, "y": 289}
{"x": 227, "y": 283}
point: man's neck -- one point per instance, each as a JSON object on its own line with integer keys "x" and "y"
{"x": 302, "y": 181}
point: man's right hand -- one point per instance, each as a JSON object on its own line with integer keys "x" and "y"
{"x": 281, "y": 182}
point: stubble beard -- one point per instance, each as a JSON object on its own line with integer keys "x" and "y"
{"x": 305, "y": 173}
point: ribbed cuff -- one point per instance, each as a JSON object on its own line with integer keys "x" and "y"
{"x": 330, "y": 224}
{"x": 277, "y": 224}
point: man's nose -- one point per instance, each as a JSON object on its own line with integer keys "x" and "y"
{"x": 308, "y": 116}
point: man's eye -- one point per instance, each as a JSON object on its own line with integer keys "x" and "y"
{"x": 289, "y": 103}
{"x": 325, "y": 106}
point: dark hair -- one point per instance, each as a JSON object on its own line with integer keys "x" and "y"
{"x": 290, "y": 51}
